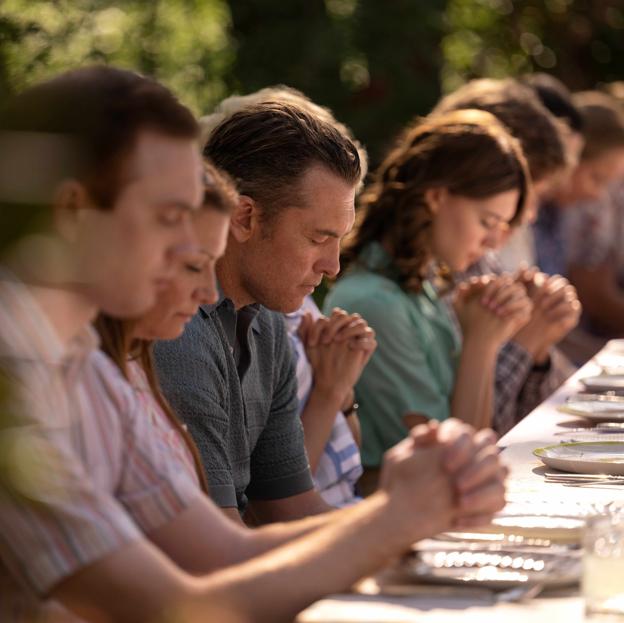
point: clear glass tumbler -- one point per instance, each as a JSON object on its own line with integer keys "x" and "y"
{"x": 603, "y": 568}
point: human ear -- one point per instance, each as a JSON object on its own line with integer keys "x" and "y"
{"x": 245, "y": 218}
{"x": 435, "y": 197}
{"x": 70, "y": 201}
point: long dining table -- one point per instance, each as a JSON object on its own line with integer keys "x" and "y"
{"x": 544, "y": 426}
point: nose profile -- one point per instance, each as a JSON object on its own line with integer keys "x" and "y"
{"x": 329, "y": 264}
{"x": 208, "y": 294}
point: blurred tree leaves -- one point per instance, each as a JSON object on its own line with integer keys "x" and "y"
{"x": 579, "y": 41}
{"x": 183, "y": 43}
{"x": 375, "y": 64}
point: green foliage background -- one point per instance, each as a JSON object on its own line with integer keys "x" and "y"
{"x": 377, "y": 64}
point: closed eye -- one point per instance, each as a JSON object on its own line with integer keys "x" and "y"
{"x": 492, "y": 224}
{"x": 319, "y": 239}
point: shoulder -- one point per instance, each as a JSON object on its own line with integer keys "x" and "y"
{"x": 103, "y": 376}
{"x": 370, "y": 295}
{"x": 201, "y": 340}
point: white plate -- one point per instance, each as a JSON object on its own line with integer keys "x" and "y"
{"x": 586, "y": 457}
{"x": 605, "y": 383}
{"x": 597, "y": 410}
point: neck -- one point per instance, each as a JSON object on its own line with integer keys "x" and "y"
{"x": 68, "y": 311}
{"x": 231, "y": 283}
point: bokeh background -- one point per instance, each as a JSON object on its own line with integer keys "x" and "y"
{"x": 376, "y": 64}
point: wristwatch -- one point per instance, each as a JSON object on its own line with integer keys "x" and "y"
{"x": 352, "y": 410}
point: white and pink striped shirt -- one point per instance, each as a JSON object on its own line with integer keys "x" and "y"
{"x": 84, "y": 472}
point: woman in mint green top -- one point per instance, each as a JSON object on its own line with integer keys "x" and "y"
{"x": 442, "y": 197}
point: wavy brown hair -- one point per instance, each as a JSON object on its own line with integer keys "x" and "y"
{"x": 468, "y": 152}
{"x": 116, "y": 334}
{"x": 519, "y": 109}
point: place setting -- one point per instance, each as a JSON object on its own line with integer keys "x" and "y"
{"x": 590, "y": 454}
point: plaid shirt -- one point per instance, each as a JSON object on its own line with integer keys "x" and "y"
{"x": 339, "y": 467}
{"x": 84, "y": 474}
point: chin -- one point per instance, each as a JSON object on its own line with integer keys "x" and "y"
{"x": 171, "y": 333}
{"x": 285, "y": 304}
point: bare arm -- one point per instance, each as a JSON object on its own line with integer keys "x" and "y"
{"x": 473, "y": 393}
{"x": 337, "y": 349}
{"x": 488, "y": 316}
{"x": 138, "y": 583}
{"x": 287, "y": 509}
{"x": 602, "y": 298}
{"x": 318, "y": 418}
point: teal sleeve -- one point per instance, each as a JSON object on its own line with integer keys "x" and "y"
{"x": 398, "y": 379}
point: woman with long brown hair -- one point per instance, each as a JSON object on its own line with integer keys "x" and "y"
{"x": 444, "y": 194}
{"x": 129, "y": 342}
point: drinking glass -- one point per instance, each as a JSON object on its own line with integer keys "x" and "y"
{"x": 603, "y": 568}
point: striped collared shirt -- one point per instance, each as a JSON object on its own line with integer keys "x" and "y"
{"x": 340, "y": 466}
{"x": 84, "y": 472}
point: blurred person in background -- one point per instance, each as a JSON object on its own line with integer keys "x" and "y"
{"x": 601, "y": 164}
{"x": 583, "y": 229}
{"x": 98, "y": 516}
{"x": 452, "y": 183}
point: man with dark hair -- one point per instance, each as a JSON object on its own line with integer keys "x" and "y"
{"x": 100, "y": 520}
{"x": 231, "y": 376}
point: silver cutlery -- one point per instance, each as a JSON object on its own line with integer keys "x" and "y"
{"x": 584, "y": 480}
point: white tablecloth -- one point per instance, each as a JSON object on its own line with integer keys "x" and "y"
{"x": 540, "y": 428}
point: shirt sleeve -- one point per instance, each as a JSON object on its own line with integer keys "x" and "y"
{"x": 400, "y": 372}
{"x": 279, "y": 463}
{"x": 513, "y": 367}
{"x": 541, "y": 383}
{"x": 193, "y": 379}
{"x": 154, "y": 483}
{"x": 520, "y": 386}
{"x": 54, "y": 518}
{"x": 398, "y": 378}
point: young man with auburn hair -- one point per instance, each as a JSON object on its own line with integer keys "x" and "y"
{"x": 99, "y": 520}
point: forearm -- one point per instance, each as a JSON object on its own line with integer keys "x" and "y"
{"x": 532, "y": 341}
{"x": 473, "y": 391}
{"x": 267, "y": 537}
{"x": 331, "y": 560}
{"x": 317, "y": 419}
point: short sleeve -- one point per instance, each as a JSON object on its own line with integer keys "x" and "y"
{"x": 54, "y": 517}
{"x": 399, "y": 370}
{"x": 279, "y": 464}
{"x": 399, "y": 377}
{"x": 194, "y": 382}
